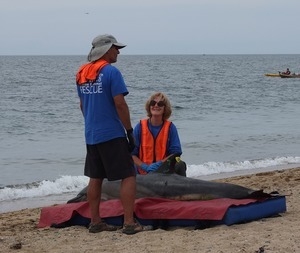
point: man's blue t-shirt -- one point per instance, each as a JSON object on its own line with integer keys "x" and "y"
{"x": 102, "y": 122}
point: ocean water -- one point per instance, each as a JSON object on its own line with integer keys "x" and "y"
{"x": 230, "y": 117}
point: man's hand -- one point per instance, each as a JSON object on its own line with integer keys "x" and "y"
{"x": 131, "y": 141}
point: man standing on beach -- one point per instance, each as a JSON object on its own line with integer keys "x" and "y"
{"x": 108, "y": 131}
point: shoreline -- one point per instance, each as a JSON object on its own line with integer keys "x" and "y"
{"x": 237, "y": 173}
{"x": 272, "y": 234}
{"x": 37, "y": 202}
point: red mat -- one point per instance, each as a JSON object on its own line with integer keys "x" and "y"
{"x": 145, "y": 208}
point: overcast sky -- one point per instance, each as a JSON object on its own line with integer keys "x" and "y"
{"x": 67, "y": 27}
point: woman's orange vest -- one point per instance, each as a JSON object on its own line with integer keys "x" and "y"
{"x": 153, "y": 149}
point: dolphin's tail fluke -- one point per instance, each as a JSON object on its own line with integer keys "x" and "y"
{"x": 260, "y": 194}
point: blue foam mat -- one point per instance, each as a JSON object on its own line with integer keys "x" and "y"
{"x": 255, "y": 211}
{"x": 234, "y": 215}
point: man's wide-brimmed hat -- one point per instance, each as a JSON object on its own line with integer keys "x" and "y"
{"x": 101, "y": 44}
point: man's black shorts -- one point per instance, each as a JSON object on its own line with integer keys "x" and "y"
{"x": 111, "y": 160}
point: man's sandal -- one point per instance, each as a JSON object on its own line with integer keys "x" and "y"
{"x": 100, "y": 227}
{"x": 132, "y": 229}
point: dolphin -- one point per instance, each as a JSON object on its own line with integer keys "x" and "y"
{"x": 176, "y": 187}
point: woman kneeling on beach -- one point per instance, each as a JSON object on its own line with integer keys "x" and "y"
{"x": 157, "y": 139}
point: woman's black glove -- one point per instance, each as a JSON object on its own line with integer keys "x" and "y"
{"x": 131, "y": 142}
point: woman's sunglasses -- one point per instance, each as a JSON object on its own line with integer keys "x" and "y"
{"x": 160, "y": 103}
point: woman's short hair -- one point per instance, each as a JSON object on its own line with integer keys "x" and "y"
{"x": 162, "y": 97}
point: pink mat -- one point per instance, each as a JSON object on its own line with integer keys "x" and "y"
{"x": 145, "y": 208}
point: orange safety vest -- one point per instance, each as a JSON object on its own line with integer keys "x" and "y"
{"x": 89, "y": 71}
{"x": 153, "y": 149}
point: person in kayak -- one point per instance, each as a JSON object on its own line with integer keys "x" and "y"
{"x": 287, "y": 72}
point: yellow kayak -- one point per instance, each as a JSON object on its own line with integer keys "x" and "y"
{"x": 272, "y": 74}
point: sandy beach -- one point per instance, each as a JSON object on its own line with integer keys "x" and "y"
{"x": 19, "y": 232}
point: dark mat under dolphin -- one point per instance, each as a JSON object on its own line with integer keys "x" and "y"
{"x": 166, "y": 213}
